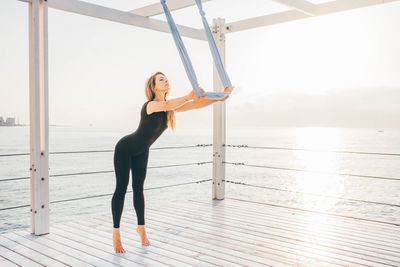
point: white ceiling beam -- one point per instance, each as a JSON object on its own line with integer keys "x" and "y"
{"x": 342, "y": 5}
{"x": 157, "y": 9}
{"x": 291, "y": 15}
{"x": 300, "y": 5}
{"x": 106, "y": 13}
{"x": 266, "y": 20}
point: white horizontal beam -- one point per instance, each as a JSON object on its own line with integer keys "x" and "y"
{"x": 342, "y": 5}
{"x": 101, "y": 12}
{"x": 300, "y": 5}
{"x": 291, "y": 15}
{"x": 157, "y": 9}
{"x": 266, "y": 20}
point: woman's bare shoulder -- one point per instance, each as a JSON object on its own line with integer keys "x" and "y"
{"x": 155, "y": 106}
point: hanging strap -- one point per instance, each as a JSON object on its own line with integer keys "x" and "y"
{"x": 213, "y": 48}
{"x": 186, "y": 60}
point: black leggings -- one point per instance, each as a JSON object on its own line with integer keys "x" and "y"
{"x": 124, "y": 161}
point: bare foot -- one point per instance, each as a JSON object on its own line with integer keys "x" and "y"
{"x": 142, "y": 233}
{"x": 117, "y": 241}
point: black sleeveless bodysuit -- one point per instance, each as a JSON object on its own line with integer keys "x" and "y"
{"x": 149, "y": 129}
{"x": 131, "y": 154}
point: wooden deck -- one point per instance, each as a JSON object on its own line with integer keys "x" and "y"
{"x": 210, "y": 233}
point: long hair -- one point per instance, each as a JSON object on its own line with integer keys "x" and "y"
{"x": 150, "y": 95}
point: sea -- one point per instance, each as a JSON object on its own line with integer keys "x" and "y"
{"x": 343, "y": 171}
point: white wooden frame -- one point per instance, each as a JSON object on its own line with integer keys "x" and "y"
{"x": 219, "y": 121}
{"x": 39, "y": 117}
{"x": 300, "y": 13}
{"x": 101, "y": 12}
{"x": 302, "y": 6}
{"x": 38, "y": 70}
{"x": 156, "y": 9}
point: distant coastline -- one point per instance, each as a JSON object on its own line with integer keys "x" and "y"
{"x": 16, "y": 125}
{"x": 10, "y": 122}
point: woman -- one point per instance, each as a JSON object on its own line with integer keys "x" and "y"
{"x": 132, "y": 151}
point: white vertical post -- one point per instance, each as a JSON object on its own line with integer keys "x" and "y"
{"x": 218, "y": 189}
{"x": 39, "y": 117}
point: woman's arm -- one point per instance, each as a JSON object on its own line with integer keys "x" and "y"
{"x": 171, "y": 104}
{"x": 195, "y": 104}
{"x": 202, "y": 102}
{"x": 156, "y": 106}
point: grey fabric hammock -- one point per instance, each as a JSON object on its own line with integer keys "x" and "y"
{"x": 186, "y": 60}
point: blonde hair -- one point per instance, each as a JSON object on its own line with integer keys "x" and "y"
{"x": 150, "y": 95}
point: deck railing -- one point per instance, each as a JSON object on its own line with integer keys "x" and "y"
{"x": 228, "y": 181}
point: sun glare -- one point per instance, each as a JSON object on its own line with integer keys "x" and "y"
{"x": 318, "y": 139}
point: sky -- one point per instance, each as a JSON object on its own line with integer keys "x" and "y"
{"x": 336, "y": 70}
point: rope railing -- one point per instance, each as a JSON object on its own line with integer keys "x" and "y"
{"x": 102, "y": 151}
{"x": 228, "y": 181}
{"x": 97, "y": 172}
{"x": 208, "y": 162}
{"x": 110, "y": 194}
{"x": 313, "y": 171}
{"x": 207, "y": 145}
{"x": 316, "y": 150}
{"x": 315, "y": 194}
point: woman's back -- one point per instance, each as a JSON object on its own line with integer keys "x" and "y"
{"x": 149, "y": 129}
{"x": 153, "y": 125}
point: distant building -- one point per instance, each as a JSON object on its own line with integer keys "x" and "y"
{"x": 10, "y": 121}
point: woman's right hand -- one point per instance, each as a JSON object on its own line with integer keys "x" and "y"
{"x": 192, "y": 95}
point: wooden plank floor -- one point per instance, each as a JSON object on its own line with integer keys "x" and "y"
{"x": 230, "y": 232}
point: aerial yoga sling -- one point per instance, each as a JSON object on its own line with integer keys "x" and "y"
{"x": 186, "y": 60}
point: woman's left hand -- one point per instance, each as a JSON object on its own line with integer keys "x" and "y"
{"x": 227, "y": 89}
